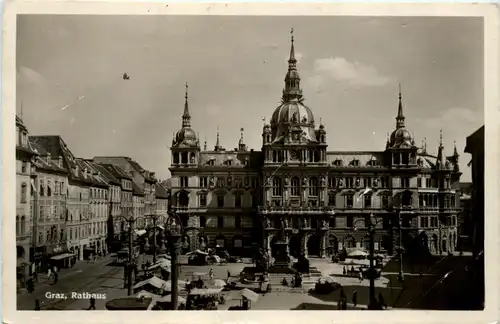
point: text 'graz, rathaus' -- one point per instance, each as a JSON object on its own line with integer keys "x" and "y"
{"x": 317, "y": 201}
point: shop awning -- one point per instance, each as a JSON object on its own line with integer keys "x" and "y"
{"x": 250, "y": 295}
{"x": 63, "y": 256}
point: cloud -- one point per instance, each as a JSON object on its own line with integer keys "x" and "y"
{"x": 456, "y": 119}
{"x": 339, "y": 69}
{"x": 26, "y": 74}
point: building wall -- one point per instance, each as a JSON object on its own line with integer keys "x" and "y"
{"x": 23, "y": 210}
{"x": 51, "y": 224}
{"x": 78, "y": 224}
{"x": 138, "y": 210}
{"x": 99, "y": 211}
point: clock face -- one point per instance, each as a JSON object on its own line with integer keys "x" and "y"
{"x": 294, "y": 154}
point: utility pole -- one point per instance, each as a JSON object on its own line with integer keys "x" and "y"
{"x": 174, "y": 242}
{"x": 372, "y": 303}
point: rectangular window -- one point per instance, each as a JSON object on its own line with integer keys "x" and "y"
{"x": 349, "y": 201}
{"x": 385, "y": 201}
{"x": 405, "y": 182}
{"x": 332, "y": 200}
{"x": 220, "y": 201}
{"x": 237, "y": 222}
{"x": 349, "y": 182}
{"x": 42, "y": 188}
{"x": 220, "y": 183}
{"x": 419, "y": 182}
{"x": 24, "y": 193}
{"x": 203, "y": 182}
{"x": 384, "y": 182}
{"x": 428, "y": 183}
{"x": 349, "y": 221}
{"x": 24, "y": 167}
{"x": 203, "y": 221}
{"x": 368, "y": 201}
{"x": 367, "y": 182}
{"x": 332, "y": 223}
{"x": 220, "y": 222}
{"x": 203, "y": 200}
{"x": 184, "y": 182}
{"x": 237, "y": 201}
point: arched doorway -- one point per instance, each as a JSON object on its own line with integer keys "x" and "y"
{"x": 333, "y": 244}
{"x": 349, "y": 242}
{"x": 366, "y": 243}
{"x": 272, "y": 246}
{"x": 20, "y": 252}
{"x": 294, "y": 245}
{"x": 443, "y": 245}
{"x": 314, "y": 245}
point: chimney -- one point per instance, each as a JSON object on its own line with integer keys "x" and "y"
{"x": 85, "y": 173}
{"x": 48, "y": 158}
{"x": 60, "y": 161}
{"x": 152, "y": 174}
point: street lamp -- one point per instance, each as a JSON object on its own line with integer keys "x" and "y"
{"x": 372, "y": 222}
{"x": 173, "y": 231}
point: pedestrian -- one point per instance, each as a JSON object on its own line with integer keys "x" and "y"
{"x": 344, "y": 271}
{"x": 92, "y": 303}
{"x": 56, "y": 277}
{"x": 211, "y": 274}
{"x": 228, "y": 274}
{"x": 342, "y": 293}
{"x": 355, "y": 298}
{"x": 360, "y": 276}
{"x": 381, "y": 301}
{"x": 37, "y": 305}
{"x": 344, "y": 305}
{"x": 339, "y": 304}
{"x": 30, "y": 285}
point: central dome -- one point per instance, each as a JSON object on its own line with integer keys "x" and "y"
{"x": 186, "y": 136}
{"x": 401, "y": 138}
{"x": 293, "y": 112}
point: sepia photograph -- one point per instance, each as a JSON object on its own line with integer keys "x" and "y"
{"x": 249, "y": 162}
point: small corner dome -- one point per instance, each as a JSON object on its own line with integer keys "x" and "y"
{"x": 400, "y": 136}
{"x": 186, "y": 135}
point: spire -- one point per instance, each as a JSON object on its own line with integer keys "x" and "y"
{"x": 205, "y": 146}
{"x": 241, "y": 143}
{"x": 186, "y": 117}
{"x": 400, "y": 119}
{"x": 456, "y": 165}
{"x": 217, "y": 143}
{"x": 425, "y": 144}
{"x": 388, "y": 143}
{"x": 440, "y": 161}
{"x": 292, "y": 79}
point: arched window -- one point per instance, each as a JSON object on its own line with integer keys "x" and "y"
{"x": 295, "y": 187}
{"x": 331, "y": 182}
{"x": 184, "y": 157}
{"x": 18, "y": 226}
{"x": 176, "y": 158}
{"x": 317, "y": 155}
{"x": 192, "y": 158}
{"x": 313, "y": 186}
{"x": 310, "y": 155}
{"x": 277, "y": 187}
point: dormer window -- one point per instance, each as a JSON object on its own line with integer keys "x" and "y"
{"x": 211, "y": 162}
{"x": 337, "y": 162}
{"x": 228, "y": 162}
{"x": 355, "y": 162}
{"x": 247, "y": 162}
{"x": 373, "y": 161}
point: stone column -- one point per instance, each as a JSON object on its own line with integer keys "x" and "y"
{"x": 306, "y": 238}
{"x": 323, "y": 246}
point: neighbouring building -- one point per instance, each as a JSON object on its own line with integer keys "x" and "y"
{"x": 99, "y": 208}
{"x": 138, "y": 206}
{"x": 77, "y": 193}
{"x": 25, "y": 155}
{"x": 465, "y": 221}
{"x": 143, "y": 178}
{"x": 162, "y": 198}
{"x": 475, "y": 147}
{"x": 114, "y": 201}
{"x": 316, "y": 197}
{"x": 50, "y": 194}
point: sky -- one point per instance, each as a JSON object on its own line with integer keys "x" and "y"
{"x": 69, "y": 79}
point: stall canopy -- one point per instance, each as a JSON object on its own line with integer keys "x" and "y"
{"x": 158, "y": 298}
{"x": 63, "y": 256}
{"x": 250, "y": 295}
{"x": 197, "y": 252}
{"x": 153, "y": 281}
{"x": 205, "y": 291}
{"x": 357, "y": 253}
{"x": 164, "y": 264}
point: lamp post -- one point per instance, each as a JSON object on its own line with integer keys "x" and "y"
{"x": 174, "y": 232}
{"x": 372, "y": 222}
{"x": 128, "y": 267}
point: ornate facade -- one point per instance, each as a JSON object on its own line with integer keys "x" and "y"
{"x": 318, "y": 200}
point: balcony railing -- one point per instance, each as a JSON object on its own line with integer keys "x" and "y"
{"x": 295, "y": 210}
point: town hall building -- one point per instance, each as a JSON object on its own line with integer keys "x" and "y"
{"x": 317, "y": 200}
